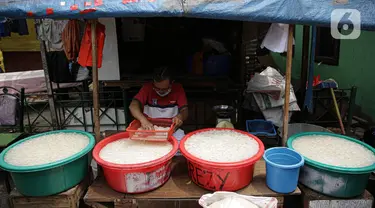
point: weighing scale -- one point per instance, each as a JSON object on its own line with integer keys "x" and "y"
{"x": 223, "y": 116}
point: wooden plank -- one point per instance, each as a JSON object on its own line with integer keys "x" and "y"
{"x": 178, "y": 187}
{"x": 189, "y": 204}
{"x": 157, "y": 204}
{"x": 96, "y": 205}
{"x": 125, "y": 204}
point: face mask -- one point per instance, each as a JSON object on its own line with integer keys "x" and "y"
{"x": 163, "y": 93}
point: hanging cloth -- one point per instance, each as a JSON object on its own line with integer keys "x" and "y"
{"x": 2, "y": 66}
{"x": 20, "y": 27}
{"x": 2, "y": 29}
{"x": 50, "y": 31}
{"x": 85, "y": 53}
{"x": 70, "y": 39}
{"x": 7, "y": 26}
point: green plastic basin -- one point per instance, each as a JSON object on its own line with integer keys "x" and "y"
{"x": 51, "y": 178}
{"x": 333, "y": 180}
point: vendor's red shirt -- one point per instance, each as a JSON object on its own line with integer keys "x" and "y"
{"x": 156, "y": 106}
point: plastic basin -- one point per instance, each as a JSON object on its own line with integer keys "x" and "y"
{"x": 135, "y": 178}
{"x": 217, "y": 176}
{"x": 51, "y": 178}
{"x": 260, "y": 128}
{"x": 333, "y": 180}
{"x": 282, "y": 169}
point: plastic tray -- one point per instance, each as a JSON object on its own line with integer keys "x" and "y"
{"x": 260, "y": 128}
{"x": 151, "y": 135}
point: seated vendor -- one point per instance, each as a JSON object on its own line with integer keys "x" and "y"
{"x": 161, "y": 98}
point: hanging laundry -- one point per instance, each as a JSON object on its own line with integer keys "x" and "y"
{"x": 7, "y": 26}
{"x": 2, "y": 66}
{"x": 70, "y": 39}
{"x": 85, "y": 53}
{"x": 2, "y": 27}
{"x": 5, "y": 30}
{"x": 50, "y": 31}
{"x": 58, "y": 67}
{"x": 19, "y": 26}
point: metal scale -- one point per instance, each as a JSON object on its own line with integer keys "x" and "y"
{"x": 223, "y": 116}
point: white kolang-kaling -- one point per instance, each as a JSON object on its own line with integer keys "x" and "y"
{"x": 127, "y": 151}
{"x": 221, "y": 146}
{"x": 46, "y": 149}
{"x": 334, "y": 151}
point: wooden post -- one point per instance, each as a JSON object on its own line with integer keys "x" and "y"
{"x": 95, "y": 82}
{"x": 51, "y": 101}
{"x": 288, "y": 76}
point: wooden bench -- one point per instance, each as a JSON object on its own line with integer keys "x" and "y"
{"x": 178, "y": 192}
{"x": 67, "y": 199}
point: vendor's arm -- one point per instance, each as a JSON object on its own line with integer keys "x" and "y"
{"x": 136, "y": 109}
{"x": 181, "y": 117}
{"x": 183, "y": 109}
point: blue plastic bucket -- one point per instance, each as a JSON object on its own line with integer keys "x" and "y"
{"x": 282, "y": 169}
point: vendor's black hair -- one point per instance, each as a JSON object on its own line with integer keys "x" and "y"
{"x": 161, "y": 74}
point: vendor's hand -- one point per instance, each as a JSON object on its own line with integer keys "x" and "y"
{"x": 147, "y": 125}
{"x": 177, "y": 121}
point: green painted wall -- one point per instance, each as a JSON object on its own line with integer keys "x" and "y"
{"x": 356, "y": 67}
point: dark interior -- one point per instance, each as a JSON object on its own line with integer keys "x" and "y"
{"x": 172, "y": 41}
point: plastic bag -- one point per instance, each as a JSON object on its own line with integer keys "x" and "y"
{"x": 268, "y": 90}
{"x": 223, "y": 199}
{"x": 8, "y": 110}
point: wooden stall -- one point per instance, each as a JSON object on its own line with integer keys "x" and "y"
{"x": 179, "y": 191}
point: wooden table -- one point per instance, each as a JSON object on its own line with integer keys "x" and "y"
{"x": 179, "y": 191}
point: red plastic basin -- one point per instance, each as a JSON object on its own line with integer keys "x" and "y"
{"x": 135, "y": 178}
{"x": 217, "y": 176}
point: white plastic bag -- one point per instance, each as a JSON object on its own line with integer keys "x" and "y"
{"x": 276, "y": 39}
{"x": 268, "y": 90}
{"x": 223, "y": 199}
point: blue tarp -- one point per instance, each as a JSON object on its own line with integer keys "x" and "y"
{"x": 282, "y": 11}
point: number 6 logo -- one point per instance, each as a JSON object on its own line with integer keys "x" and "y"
{"x": 349, "y": 20}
